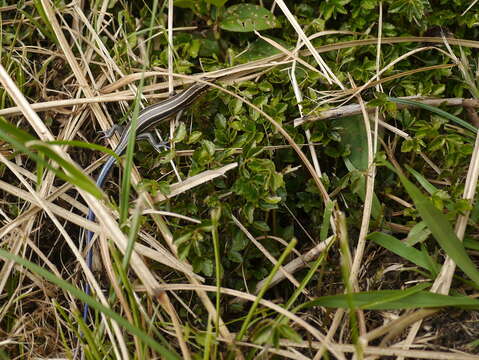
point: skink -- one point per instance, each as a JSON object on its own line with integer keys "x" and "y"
{"x": 148, "y": 119}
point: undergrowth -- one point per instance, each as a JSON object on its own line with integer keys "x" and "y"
{"x": 319, "y": 200}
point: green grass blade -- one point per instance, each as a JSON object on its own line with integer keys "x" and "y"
{"x": 430, "y": 188}
{"x": 395, "y": 300}
{"x": 436, "y": 110}
{"x": 75, "y": 175}
{"x": 471, "y": 244}
{"x": 80, "y": 294}
{"x": 405, "y": 251}
{"x": 86, "y": 145}
{"x": 265, "y": 287}
{"x": 440, "y": 228}
{"x": 26, "y": 143}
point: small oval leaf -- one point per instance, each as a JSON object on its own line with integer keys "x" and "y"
{"x": 247, "y": 18}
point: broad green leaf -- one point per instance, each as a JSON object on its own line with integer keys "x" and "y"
{"x": 248, "y": 18}
{"x": 436, "y": 110}
{"x": 394, "y": 300}
{"x": 441, "y": 229}
{"x": 353, "y": 133}
{"x": 194, "y": 137}
{"x": 417, "y": 234}
{"x": 260, "y": 49}
{"x": 405, "y": 251}
{"x": 180, "y": 133}
{"x": 185, "y": 4}
{"x": 80, "y": 294}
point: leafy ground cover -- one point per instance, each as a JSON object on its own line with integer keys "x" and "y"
{"x": 318, "y": 201}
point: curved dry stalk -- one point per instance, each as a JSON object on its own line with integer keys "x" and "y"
{"x": 171, "y": 214}
{"x": 381, "y": 81}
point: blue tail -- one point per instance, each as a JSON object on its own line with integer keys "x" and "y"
{"x": 105, "y": 170}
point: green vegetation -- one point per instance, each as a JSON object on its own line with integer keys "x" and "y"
{"x": 325, "y": 184}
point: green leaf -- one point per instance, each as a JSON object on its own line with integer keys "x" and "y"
{"x": 180, "y": 133}
{"x": 264, "y": 335}
{"x": 185, "y": 4}
{"x": 353, "y": 133}
{"x": 430, "y": 188}
{"x": 26, "y": 143}
{"x": 261, "y": 226}
{"x": 417, "y": 234}
{"x": 436, "y": 110}
{"x": 207, "y": 267}
{"x": 289, "y": 333}
{"x": 471, "y": 244}
{"x": 240, "y": 241}
{"x": 86, "y": 145}
{"x": 194, "y": 137}
{"x": 394, "y": 300}
{"x": 235, "y": 256}
{"x": 440, "y": 228}
{"x": 164, "y": 188}
{"x": 247, "y": 18}
{"x": 405, "y": 251}
{"x": 260, "y": 49}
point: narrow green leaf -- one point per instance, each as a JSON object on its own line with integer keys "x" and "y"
{"x": 76, "y": 176}
{"x": 25, "y": 143}
{"x": 471, "y": 244}
{"x": 405, "y": 251}
{"x": 394, "y": 300}
{"x": 430, "y": 188}
{"x": 86, "y": 145}
{"x": 440, "y": 228}
{"x": 436, "y": 110}
{"x": 326, "y": 220}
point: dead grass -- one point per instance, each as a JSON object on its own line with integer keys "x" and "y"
{"x": 41, "y": 219}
